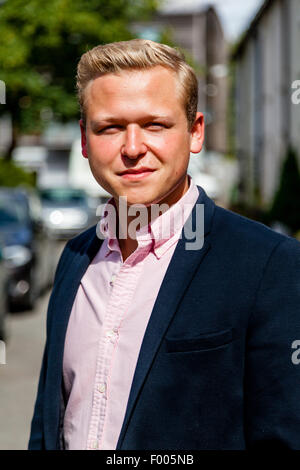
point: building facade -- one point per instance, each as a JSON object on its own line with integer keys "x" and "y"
{"x": 267, "y": 63}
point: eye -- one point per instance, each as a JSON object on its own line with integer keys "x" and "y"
{"x": 155, "y": 126}
{"x": 112, "y": 129}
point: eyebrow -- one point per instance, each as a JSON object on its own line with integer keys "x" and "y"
{"x": 112, "y": 120}
{"x": 103, "y": 120}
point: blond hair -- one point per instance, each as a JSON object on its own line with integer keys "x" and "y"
{"x": 137, "y": 54}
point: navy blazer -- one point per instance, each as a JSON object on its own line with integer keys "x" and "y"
{"x": 215, "y": 368}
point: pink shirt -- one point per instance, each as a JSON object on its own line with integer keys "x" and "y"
{"x": 107, "y": 324}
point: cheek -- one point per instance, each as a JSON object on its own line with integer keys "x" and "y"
{"x": 167, "y": 146}
{"x": 173, "y": 149}
{"x": 101, "y": 152}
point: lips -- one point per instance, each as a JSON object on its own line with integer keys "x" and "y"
{"x": 136, "y": 174}
{"x": 136, "y": 171}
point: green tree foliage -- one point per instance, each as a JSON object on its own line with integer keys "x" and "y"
{"x": 11, "y": 175}
{"x": 286, "y": 205}
{"x": 41, "y": 43}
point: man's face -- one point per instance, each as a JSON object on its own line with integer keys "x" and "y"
{"x": 136, "y": 136}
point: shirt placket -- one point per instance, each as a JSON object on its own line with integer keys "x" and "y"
{"x": 123, "y": 286}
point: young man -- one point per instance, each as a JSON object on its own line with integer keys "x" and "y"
{"x": 153, "y": 342}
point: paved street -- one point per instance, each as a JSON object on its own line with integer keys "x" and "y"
{"x": 19, "y": 376}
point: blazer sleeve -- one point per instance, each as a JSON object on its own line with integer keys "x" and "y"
{"x": 272, "y": 379}
{"x": 36, "y": 440}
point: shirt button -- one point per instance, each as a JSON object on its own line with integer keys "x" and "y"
{"x": 113, "y": 278}
{"x": 95, "y": 445}
{"x": 101, "y": 388}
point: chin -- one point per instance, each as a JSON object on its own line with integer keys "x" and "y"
{"x": 138, "y": 197}
{"x": 140, "y": 201}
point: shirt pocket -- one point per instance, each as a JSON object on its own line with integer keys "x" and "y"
{"x": 201, "y": 343}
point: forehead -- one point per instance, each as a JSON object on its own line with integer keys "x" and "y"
{"x": 154, "y": 87}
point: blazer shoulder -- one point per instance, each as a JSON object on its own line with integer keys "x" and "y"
{"x": 83, "y": 239}
{"x": 247, "y": 232}
{"x": 78, "y": 244}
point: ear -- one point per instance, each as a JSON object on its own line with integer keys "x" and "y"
{"x": 197, "y": 134}
{"x": 83, "y": 139}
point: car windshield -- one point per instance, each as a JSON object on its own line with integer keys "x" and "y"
{"x": 12, "y": 211}
{"x": 63, "y": 197}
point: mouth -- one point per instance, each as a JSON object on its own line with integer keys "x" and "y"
{"x": 136, "y": 173}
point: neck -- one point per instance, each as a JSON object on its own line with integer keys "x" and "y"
{"x": 128, "y": 224}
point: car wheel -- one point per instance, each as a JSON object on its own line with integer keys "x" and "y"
{"x": 3, "y": 331}
{"x": 29, "y": 303}
{"x": 2, "y": 334}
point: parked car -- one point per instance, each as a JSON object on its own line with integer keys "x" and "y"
{"x": 3, "y": 299}
{"x": 67, "y": 211}
{"x": 27, "y": 250}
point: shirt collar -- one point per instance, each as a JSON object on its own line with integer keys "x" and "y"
{"x": 162, "y": 232}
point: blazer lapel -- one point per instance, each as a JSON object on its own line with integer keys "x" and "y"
{"x": 61, "y": 303}
{"x": 177, "y": 278}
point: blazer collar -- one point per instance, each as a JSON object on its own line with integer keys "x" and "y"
{"x": 177, "y": 278}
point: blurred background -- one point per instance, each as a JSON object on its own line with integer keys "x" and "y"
{"x": 247, "y": 61}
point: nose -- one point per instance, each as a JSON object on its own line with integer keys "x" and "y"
{"x": 134, "y": 145}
